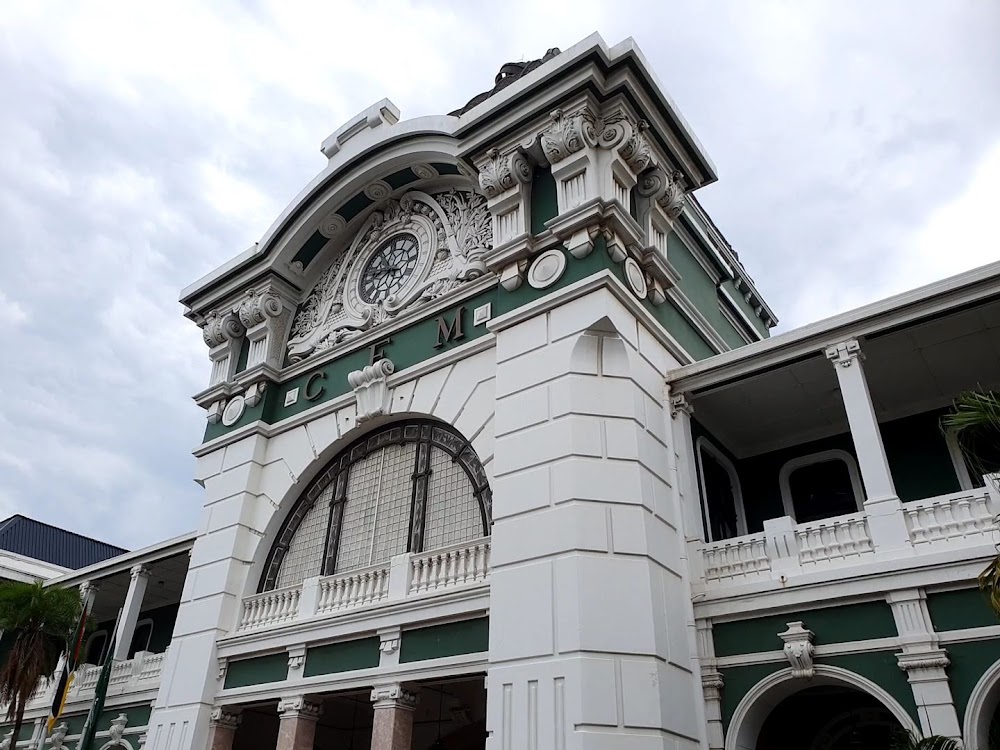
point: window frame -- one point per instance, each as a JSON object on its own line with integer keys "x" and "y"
{"x": 426, "y": 434}
{"x": 703, "y": 443}
{"x": 834, "y": 454}
{"x": 958, "y": 462}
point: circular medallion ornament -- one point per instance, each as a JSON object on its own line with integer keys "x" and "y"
{"x": 547, "y": 268}
{"x": 234, "y": 410}
{"x": 389, "y": 268}
{"x": 636, "y": 278}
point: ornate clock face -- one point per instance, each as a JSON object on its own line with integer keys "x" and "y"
{"x": 389, "y": 268}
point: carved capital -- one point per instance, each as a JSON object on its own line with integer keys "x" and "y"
{"x": 257, "y": 306}
{"x": 711, "y": 685}
{"x": 139, "y": 570}
{"x": 501, "y": 172}
{"x": 635, "y": 150}
{"x": 674, "y": 195}
{"x": 298, "y": 707}
{"x": 393, "y": 695}
{"x": 679, "y": 403}
{"x": 846, "y": 353}
{"x": 221, "y": 327}
{"x": 799, "y": 649}
{"x": 389, "y": 641}
{"x": 370, "y": 388}
{"x": 927, "y": 664}
{"x": 568, "y": 133}
{"x": 89, "y": 588}
{"x": 227, "y": 717}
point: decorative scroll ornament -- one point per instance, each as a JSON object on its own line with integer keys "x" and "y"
{"x": 453, "y": 231}
{"x": 799, "y": 649}
{"x": 300, "y": 707}
{"x": 221, "y": 327}
{"x": 117, "y": 729}
{"x": 501, "y": 172}
{"x": 58, "y": 736}
{"x": 673, "y": 199}
{"x": 371, "y": 390}
{"x": 568, "y": 134}
{"x": 393, "y": 695}
{"x": 635, "y": 150}
{"x": 257, "y": 306}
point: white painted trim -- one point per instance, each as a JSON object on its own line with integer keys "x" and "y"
{"x": 819, "y": 458}
{"x": 752, "y": 711}
{"x": 703, "y": 443}
{"x": 139, "y": 624}
{"x": 158, "y": 551}
{"x": 866, "y": 646}
{"x": 958, "y": 459}
{"x": 979, "y": 710}
{"x": 696, "y": 318}
{"x": 90, "y": 641}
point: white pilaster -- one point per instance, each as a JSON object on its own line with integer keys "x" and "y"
{"x": 925, "y": 664}
{"x": 687, "y": 483}
{"x": 585, "y": 517}
{"x": 711, "y": 685}
{"x": 130, "y": 612}
{"x": 885, "y": 514}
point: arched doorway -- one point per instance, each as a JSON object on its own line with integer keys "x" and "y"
{"x": 835, "y": 710}
{"x": 981, "y": 729}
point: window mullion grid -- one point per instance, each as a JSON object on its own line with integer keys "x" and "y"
{"x": 418, "y": 503}
{"x": 336, "y": 519}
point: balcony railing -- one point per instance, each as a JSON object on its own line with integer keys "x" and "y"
{"x": 420, "y": 574}
{"x": 142, "y": 672}
{"x": 957, "y": 521}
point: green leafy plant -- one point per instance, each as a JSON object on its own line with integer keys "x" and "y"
{"x": 41, "y": 620}
{"x": 910, "y": 741}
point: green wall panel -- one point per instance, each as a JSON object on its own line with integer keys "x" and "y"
{"x": 256, "y": 671}
{"x": 969, "y": 661}
{"x": 362, "y": 653}
{"x": 881, "y": 668}
{"x": 737, "y": 682}
{"x": 451, "y": 639}
{"x": 960, "y": 609}
{"x": 853, "y": 622}
{"x": 544, "y": 201}
{"x": 741, "y": 302}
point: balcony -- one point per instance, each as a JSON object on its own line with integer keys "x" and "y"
{"x": 136, "y": 675}
{"x": 406, "y": 577}
{"x": 959, "y": 523}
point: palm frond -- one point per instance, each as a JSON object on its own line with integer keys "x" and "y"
{"x": 908, "y": 741}
{"x": 974, "y": 409}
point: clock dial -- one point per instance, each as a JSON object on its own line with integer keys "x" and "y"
{"x": 389, "y": 268}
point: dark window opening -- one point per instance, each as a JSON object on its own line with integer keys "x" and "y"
{"x": 720, "y": 497}
{"x": 822, "y": 490}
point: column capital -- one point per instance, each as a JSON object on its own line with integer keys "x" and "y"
{"x": 393, "y": 695}
{"x": 711, "y": 685}
{"x": 846, "y": 353}
{"x": 924, "y": 665}
{"x": 227, "y": 717}
{"x": 679, "y": 403}
{"x": 299, "y": 707}
{"x": 89, "y": 587}
{"x": 138, "y": 570}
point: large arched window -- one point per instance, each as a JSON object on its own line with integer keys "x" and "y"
{"x": 404, "y": 488}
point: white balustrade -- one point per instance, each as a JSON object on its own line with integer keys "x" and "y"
{"x": 741, "y": 558}
{"x": 150, "y": 666}
{"x": 967, "y": 515}
{"x": 457, "y": 565}
{"x": 270, "y": 608}
{"x": 354, "y": 589}
{"x": 842, "y": 538}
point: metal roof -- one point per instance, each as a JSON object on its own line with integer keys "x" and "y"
{"x": 26, "y": 536}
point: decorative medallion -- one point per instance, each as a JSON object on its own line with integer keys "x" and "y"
{"x": 547, "y": 268}
{"x": 234, "y": 410}
{"x": 636, "y": 278}
{"x": 408, "y": 252}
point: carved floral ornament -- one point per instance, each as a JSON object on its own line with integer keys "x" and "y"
{"x": 799, "y": 649}
{"x": 452, "y": 231}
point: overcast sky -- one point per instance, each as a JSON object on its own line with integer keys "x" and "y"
{"x": 142, "y": 144}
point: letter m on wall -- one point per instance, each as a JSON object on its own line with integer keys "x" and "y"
{"x": 452, "y": 331}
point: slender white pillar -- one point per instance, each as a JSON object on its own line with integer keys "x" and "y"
{"x": 885, "y": 516}
{"x": 130, "y": 612}
{"x": 685, "y": 461}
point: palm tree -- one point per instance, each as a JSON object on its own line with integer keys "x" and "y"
{"x": 975, "y": 419}
{"x": 909, "y": 741}
{"x": 41, "y": 620}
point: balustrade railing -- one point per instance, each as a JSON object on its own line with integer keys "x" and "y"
{"x": 464, "y": 564}
{"x": 960, "y": 519}
{"x": 353, "y": 589}
{"x": 138, "y": 673}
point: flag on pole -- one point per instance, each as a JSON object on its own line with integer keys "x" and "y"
{"x": 68, "y": 667}
{"x": 100, "y": 693}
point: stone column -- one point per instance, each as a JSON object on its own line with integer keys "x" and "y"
{"x": 687, "y": 481}
{"x": 885, "y": 516}
{"x": 924, "y": 663}
{"x": 392, "y": 728}
{"x": 711, "y": 684}
{"x": 130, "y": 612}
{"x": 297, "y": 730}
{"x": 222, "y": 727}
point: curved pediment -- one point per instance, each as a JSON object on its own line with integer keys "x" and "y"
{"x": 406, "y": 253}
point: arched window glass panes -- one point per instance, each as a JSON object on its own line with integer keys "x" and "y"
{"x": 410, "y": 487}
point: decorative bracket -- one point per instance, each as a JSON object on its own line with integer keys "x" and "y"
{"x": 679, "y": 403}
{"x": 393, "y": 695}
{"x": 371, "y": 389}
{"x": 227, "y": 717}
{"x": 846, "y": 353}
{"x": 299, "y": 707}
{"x": 799, "y": 649}
{"x": 118, "y": 728}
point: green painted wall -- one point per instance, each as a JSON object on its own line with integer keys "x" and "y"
{"x": 342, "y": 657}
{"x": 737, "y": 682}
{"x": 969, "y": 661}
{"x": 256, "y": 671}
{"x": 544, "y": 203}
{"x": 881, "y": 668}
{"x": 960, "y": 609}
{"x": 451, "y": 639}
{"x": 852, "y": 622}
{"x": 741, "y": 302}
